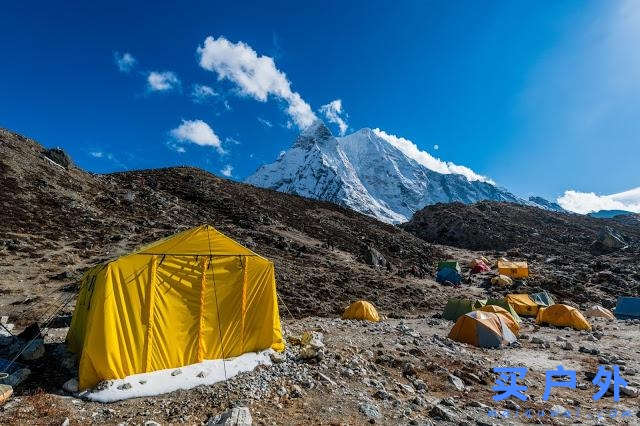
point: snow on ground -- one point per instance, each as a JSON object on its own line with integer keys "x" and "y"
{"x": 206, "y": 372}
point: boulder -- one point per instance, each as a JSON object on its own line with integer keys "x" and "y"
{"x": 373, "y": 257}
{"x": 609, "y": 240}
{"x": 58, "y": 156}
{"x": 33, "y": 350}
{"x": 237, "y": 416}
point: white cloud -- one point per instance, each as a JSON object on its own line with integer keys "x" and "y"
{"x": 198, "y": 132}
{"x": 333, "y": 111}
{"x": 411, "y": 150}
{"x": 255, "y": 76}
{"x": 587, "y": 202}
{"x": 124, "y": 61}
{"x": 227, "y": 170}
{"x": 175, "y": 147}
{"x": 162, "y": 81}
{"x": 436, "y": 147}
{"x": 201, "y": 93}
{"x": 97, "y": 154}
{"x": 265, "y": 122}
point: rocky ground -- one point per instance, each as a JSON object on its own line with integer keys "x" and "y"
{"x": 563, "y": 249}
{"x": 398, "y": 371}
{"x": 56, "y": 220}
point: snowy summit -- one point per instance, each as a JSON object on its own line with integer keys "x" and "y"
{"x": 367, "y": 172}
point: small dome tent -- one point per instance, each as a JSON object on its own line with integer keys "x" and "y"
{"x": 361, "y": 310}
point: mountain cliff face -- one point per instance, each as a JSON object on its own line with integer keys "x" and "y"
{"x": 366, "y": 173}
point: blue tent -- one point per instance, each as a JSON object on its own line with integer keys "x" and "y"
{"x": 628, "y": 308}
{"x": 448, "y": 275}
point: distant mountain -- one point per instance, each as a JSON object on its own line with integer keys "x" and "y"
{"x": 366, "y": 173}
{"x": 545, "y": 204}
{"x": 607, "y": 214}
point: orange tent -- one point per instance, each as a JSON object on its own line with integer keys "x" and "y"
{"x": 506, "y": 315}
{"x": 483, "y": 329}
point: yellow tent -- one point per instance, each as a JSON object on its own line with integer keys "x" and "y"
{"x": 562, "y": 316}
{"x": 196, "y": 295}
{"x": 361, "y": 310}
{"x": 523, "y": 304}
{"x": 599, "y": 312}
{"x": 502, "y": 281}
{"x": 506, "y": 316}
{"x": 513, "y": 269}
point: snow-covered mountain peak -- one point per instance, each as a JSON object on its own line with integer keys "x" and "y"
{"x": 368, "y": 173}
{"x": 316, "y": 134}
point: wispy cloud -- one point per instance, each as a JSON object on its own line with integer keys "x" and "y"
{"x": 227, "y": 170}
{"x": 97, "y": 154}
{"x": 197, "y": 132}
{"x": 334, "y": 113}
{"x": 411, "y": 150}
{"x": 265, "y": 122}
{"x": 201, "y": 93}
{"x": 254, "y": 75}
{"x": 587, "y": 202}
{"x": 124, "y": 61}
{"x": 162, "y": 81}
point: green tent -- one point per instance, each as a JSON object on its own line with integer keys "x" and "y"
{"x": 455, "y": 308}
{"x": 450, "y": 264}
{"x": 505, "y": 305}
{"x": 542, "y": 299}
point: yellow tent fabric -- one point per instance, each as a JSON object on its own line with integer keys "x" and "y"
{"x": 196, "y": 295}
{"x": 513, "y": 269}
{"x": 522, "y": 304}
{"x": 502, "y": 281}
{"x": 361, "y": 310}
{"x": 599, "y": 312}
{"x": 506, "y": 316}
{"x": 562, "y": 316}
{"x": 483, "y": 329}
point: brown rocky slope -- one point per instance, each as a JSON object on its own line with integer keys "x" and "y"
{"x": 56, "y": 220}
{"x": 562, "y": 247}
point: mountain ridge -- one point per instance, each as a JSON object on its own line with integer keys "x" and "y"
{"x": 367, "y": 173}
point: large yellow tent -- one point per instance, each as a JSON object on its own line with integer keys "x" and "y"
{"x": 562, "y": 316}
{"x": 513, "y": 269}
{"x": 194, "y": 296}
{"x": 506, "y": 316}
{"x": 523, "y": 304}
{"x": 361, "y": 310}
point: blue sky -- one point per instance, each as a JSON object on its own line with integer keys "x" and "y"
{"x": 540, "y": 97}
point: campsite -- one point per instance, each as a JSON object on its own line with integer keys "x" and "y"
{"x": 349, "y": 309}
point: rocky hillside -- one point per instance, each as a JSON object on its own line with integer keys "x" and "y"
{"x": 57, "y": 219}
{"x": 576, "y": 256}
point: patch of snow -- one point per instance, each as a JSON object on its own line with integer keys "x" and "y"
{"x": 158, "y": 382}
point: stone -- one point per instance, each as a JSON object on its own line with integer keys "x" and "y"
{"x": 629, "y": 391}
{"x": 567, "y": 346}
{"x": 558, "y": 410}
{"x": 277, "y": 357}
{"x": 34, "y": 350}
{"x": 65, "y": 422}
{"x": 58, "y": 156}
{"x": 71, "y": 385}
{"x": 5, "y": 393}
{"x": 16, "y": 377}
{"x": 124, "y": 386}
{"x": 456, "y": 382}
{"x": 370, "y": 410}
{"x": 151, "y": 423}
{"x": 373, "y": 257}
{"x": 510, "y": 404}
{"x": 382, "y": 394}
{"x": 296, "y": 392}
{"x": 440, "y": 412}
{"x": 176, "y": 372}
{"x": 237, "y": 416}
